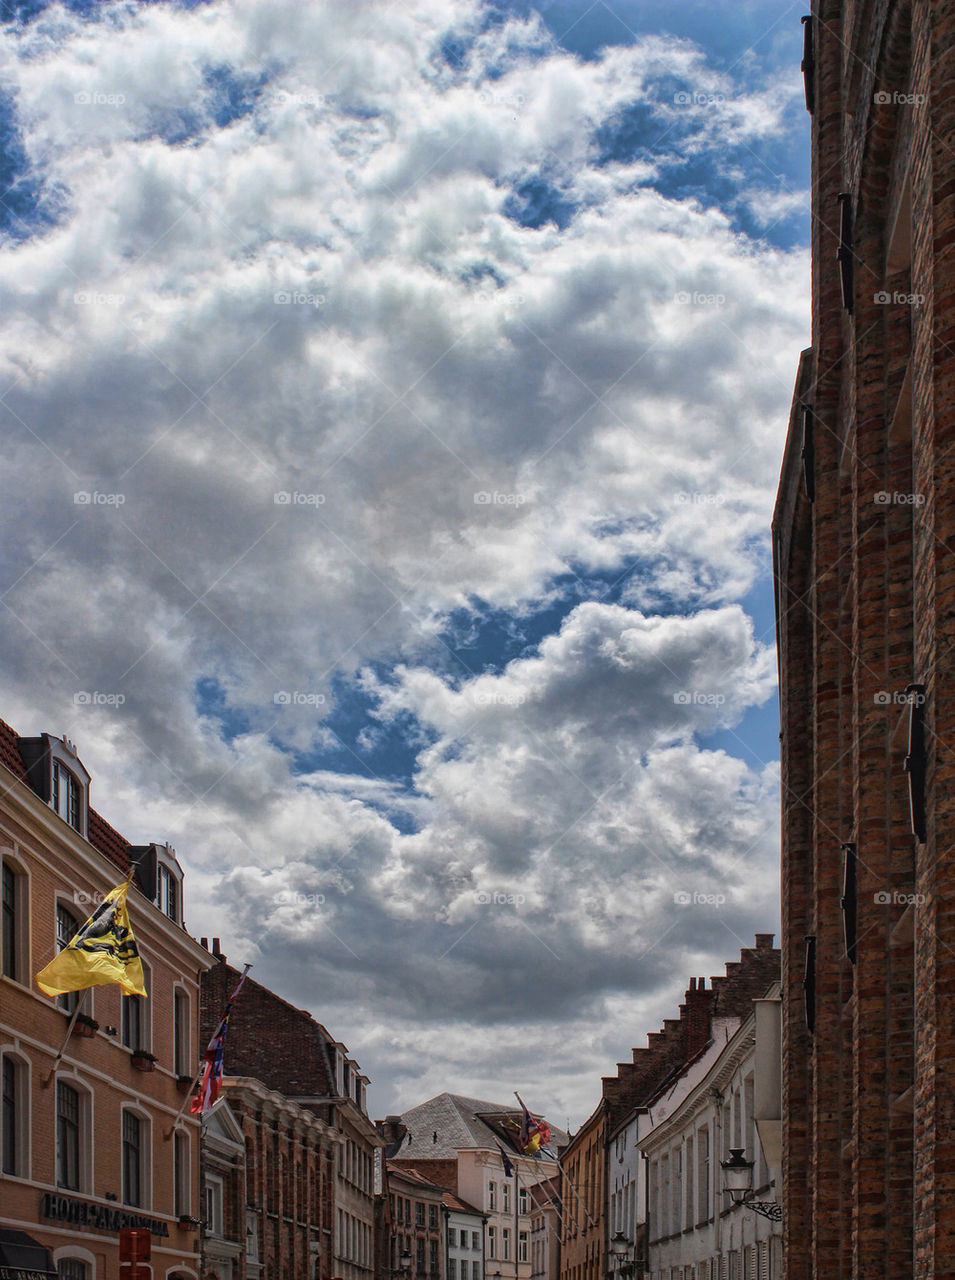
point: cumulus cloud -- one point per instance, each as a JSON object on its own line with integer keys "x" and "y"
{"x": 326, "y": 337}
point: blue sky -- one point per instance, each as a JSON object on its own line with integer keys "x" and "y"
{"x": 398, "y": 435}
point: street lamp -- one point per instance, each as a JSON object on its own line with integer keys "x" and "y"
{"x": 619, "y": 1249}
{"x": 738, "y": 1181}
{"x": 404, "y": 1261}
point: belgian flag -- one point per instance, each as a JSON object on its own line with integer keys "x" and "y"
{"x": 103, "y": 951}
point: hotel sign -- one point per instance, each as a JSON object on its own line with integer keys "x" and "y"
{"x": 81, "y": 1213}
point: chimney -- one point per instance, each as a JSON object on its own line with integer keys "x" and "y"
{"x": 697, "y": 1017}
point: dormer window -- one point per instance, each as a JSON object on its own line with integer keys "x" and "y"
{"x": 167, "y": 896}
{"x": 66, "y": 794}
{"x": 57, "y": 775}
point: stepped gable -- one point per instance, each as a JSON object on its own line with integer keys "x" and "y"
{"x": 669, "y": 1051}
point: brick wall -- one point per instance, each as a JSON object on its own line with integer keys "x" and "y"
{"x": 866, "y": 602}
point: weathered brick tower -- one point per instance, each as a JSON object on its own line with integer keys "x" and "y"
{"x": 864, "y": 546}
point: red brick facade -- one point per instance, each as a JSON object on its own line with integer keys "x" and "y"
{"x": 863, "y": 546}
{"x": 311, "y": 1186}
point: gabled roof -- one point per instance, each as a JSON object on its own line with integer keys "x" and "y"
{"x": 452, "y": 1201}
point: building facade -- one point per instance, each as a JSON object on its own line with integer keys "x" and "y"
{"x": 418, "y": 1225}
{"x": 545, "y": 1230}
{"x": 312, "y": 1150}
{"x": 90, "y": 1130}
{"x": 464, "y": 1233}
{"x": 865, "y": 622}
{"x": 694, "y": 1228}
{"x": 583, "y": 1180}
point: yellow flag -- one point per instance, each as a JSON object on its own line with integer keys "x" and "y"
{"x": 102, "y": 952}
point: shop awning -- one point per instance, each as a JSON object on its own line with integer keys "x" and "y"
{"x": 22, "y": 1258}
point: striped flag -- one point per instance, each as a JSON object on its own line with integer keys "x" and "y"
{"x": 215, "y": 1051}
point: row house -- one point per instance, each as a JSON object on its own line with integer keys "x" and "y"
{"x": 419, "y": 1239}
{"x": 545, "y": 1229}
{"x": 725, "y": 1109}
{"x": 604, "y": 1187}
{"x": 92, "y": 1135}
{"x": 464, "y": 1231}
{"x": 316, "y": 1164}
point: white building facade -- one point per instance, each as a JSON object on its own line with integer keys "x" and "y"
{"x": 464, "y": 1227}
{"x": 729, "y": 1099}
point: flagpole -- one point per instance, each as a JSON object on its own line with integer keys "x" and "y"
{"x": 202, "y": 1064}
{"x": 66, "y": 1038}
{"x": 570, "y": 1183}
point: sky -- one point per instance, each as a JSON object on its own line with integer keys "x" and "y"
{"x": 393, "y": 397}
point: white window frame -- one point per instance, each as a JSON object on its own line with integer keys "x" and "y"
{"x": 213, "y": 1196}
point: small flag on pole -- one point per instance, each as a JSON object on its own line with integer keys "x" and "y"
{"x": 508, "y": 1167}
{"x": 533, "y": 1133}
{"x": 103, "y": 951}
{"x": 212, "y": 1073}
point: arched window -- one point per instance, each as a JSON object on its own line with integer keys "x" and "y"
{"x": 74, "y": 1263}
{"x": 15, "y": 1115}
{"x": 14, "y": 918}
{"x": 183, "y": 1064}
{"x": 72, "y": 1134}
{"x": 136, "y": 1017}
{"x": 135, "y": 1139}
{"x": 182, "y": 1199}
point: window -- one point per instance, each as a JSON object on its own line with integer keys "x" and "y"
{"x": 13, "y": 913}
{"x": 522, "y": 1246}
{"x": 492, "y": 1242}
{"x": 433, "y": 1257}
{"x": 492, "y": 1196}
{"x": 506, "y": 1243}
{"x": 452, "y": 1269}
{"x": 419, "y": 1256}
{"x": 433, "y": 1217}
{"x": 475, "y": 1240}
{"x": 251, "y": 1236}
{"x": 182, "y": 1063}
{"x": 66, "y": 795}
{"x": 523, "y": 1203}
{"x": 212, "y": 1197}
{"x": 419, "y": 1214}
{"x": 71, "y": 1269}
{"x": 132, "y": 1159}
{"x": 67, "y": 1137}
{"x": 703, "y": 1166}
{"x": 475, "y": 1271}
{"x": 180, "y": 1175}
{"x": 167, "y": 896}
{"x": 66, "y": 927}
{"x": 506, "y": 1197}
{"x": 14, "y": 1117}
{"x": 690, "y": 1165}
{"x": 136, "y": 1018}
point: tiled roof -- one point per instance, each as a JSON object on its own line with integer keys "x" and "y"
{"x": 452, "y": 1201}
{"x": 101, "y": 835}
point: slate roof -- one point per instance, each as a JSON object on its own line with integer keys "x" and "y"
{"x": 446, "y": 1123}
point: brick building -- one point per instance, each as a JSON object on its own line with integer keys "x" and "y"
{"x": 865, "y": 576}
{"x": 90, "y": 1139}
{"x": 418, "y": 1231}
{"x": 603, "y": 1183}
{"x": 311, "y": 1149}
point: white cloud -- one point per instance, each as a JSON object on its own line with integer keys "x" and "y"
{"x": 459, "y": 409}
